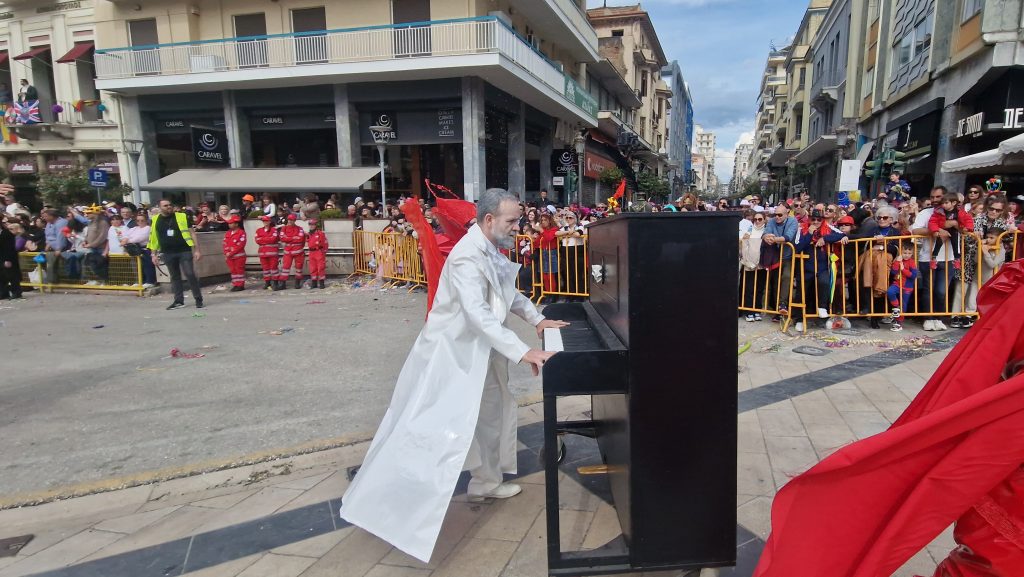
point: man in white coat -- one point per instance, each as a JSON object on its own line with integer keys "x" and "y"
{"x": 451, "y": 409}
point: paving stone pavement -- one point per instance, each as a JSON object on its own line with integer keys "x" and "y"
{"x": 280, "y": 518}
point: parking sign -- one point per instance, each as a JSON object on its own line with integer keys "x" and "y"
{"x": 98, "y": 178}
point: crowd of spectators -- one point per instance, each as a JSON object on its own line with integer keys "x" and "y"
{"x": 892, "y": 255}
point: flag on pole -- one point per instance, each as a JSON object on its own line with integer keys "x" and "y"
{"x": 621, "y": 189}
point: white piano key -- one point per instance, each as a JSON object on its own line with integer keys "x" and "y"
{"x": 553, "y": 340}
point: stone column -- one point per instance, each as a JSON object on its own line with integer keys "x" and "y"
{"x": 949, "y": 148}
{"x": 137, "y": 126}
{"x": 236, "y": 125}
{"x": 517, "y": 153}
{"x": 547, "y": 147}
{"x": 346, "y": 124}
{"x": 473, "y": 137}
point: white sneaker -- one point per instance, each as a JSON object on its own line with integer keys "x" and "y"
{"x": 929, "y": 325}
{"x": 799, "y": 327}
{"x": 750, "y": 318}
{"x": 92, "y": 283}
{"x": 939, "y": 326}
{"x": 502, "y": 491}
{"x": 148, "y": 285}
{"x": 822, "y": 313}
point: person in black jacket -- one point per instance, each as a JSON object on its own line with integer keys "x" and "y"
{"x": 10, "y": 272}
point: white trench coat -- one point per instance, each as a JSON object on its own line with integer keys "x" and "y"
{"x": 425, "y": 440}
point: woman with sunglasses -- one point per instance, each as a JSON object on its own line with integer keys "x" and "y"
{"x": 993, "y": 216}
{"x": 755, "y": 277}
{"x": 973, "y": 197}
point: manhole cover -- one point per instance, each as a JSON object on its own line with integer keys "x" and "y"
{"x": 813, "y": 351}
{"x": 10, "y": 547}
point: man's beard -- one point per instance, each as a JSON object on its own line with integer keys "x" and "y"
{"x": 503, "y": 242}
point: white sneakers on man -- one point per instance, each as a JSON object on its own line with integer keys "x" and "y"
{"x": 935, "y": 325}
{"x": 502, "y": 491}
{"x": 822, "y": 313}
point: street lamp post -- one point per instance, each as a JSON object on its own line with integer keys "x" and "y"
{"x": 133, "y": 148}
{"x": 842, "y": 137}
{"x": 580, "y": 143}
{"x": 381, "y": 136}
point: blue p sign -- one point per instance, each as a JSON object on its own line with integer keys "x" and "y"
{"x": 98, "y": 178}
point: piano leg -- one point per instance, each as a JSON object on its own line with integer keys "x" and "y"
{"x": 551, "y": 479}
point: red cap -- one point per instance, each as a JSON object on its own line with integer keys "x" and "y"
{"x": 234, "y": 218}
{"x": 845, "y": 220}
{"x": 292, "y": 217}
{"x": 265, "y": 218}
{"x": 789, "y": 201}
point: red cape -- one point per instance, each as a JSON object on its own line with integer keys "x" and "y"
{"x": 433, "y": 260}
{"x": 867, "y": 508}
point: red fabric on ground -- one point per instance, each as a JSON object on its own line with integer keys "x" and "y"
{"x": 867, "y": 508}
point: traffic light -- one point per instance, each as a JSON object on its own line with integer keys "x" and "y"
{"x": 896, "y": 161}
{"x": 873, "y": 169}
{"x": 570, "y": 183}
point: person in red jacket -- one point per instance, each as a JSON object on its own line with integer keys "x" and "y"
{"x": 267, "y": 238}
{"x": 294, "y": 240}
{"x": 317, "y": 254}
{"x": 234, "y": 252}
{"x": 952, "y": 218}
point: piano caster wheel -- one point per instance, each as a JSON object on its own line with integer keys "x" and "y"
{"x": 561, "y": 452}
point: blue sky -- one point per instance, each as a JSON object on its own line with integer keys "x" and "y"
{"x": 721, "y": 46}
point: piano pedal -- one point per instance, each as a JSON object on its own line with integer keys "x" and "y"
{"x": 599, "y": 469}
{"x": 561, "y": 452}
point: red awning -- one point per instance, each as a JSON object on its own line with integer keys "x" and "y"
{"x": 76, "y": 53}
{"x": 3, "y": 57}
{"x": 37, "y": 51}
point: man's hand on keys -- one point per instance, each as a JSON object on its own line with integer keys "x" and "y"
{"x": 537, "y": 358}
{"x": 549, "y": 324}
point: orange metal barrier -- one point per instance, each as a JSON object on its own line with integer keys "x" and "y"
{"x": 770, "y": 292}
{"x": 561, "y": 271}
{"x": 393, "y": 258}
{"x": 117, "y": 272}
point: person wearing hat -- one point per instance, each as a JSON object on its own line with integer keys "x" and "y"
{"x": 294, "y": 240}
{"x": 267, "y": 238}
{"x": 317, "y": 254}
{"x": 248, "y": 202}
{"x": 234, "y": 252}
{"x": 96, "y": 235}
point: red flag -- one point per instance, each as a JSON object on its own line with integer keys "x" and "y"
{"x": 621, "y": 190}
{"x": 870, "y": 506}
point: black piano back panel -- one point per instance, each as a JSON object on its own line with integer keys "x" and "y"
{"x": 674, "y": 303}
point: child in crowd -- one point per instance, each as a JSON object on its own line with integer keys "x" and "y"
{"x": 993, "y": 254}
{"x": 950, "y": 210}
{"x": 904, "y": 275}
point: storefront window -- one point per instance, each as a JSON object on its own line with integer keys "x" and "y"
{"x": 409, "y": 165}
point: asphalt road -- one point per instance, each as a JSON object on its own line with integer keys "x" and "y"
{"x": 89, "y": 391}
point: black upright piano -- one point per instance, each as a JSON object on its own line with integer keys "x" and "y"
{"x": 655, "y": 346}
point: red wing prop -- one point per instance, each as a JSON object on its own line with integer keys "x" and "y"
{"x": 870, "y": 506}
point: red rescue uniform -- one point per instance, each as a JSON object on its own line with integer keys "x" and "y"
{"x": 294, "y": 240}
{"x": 268, "y": 238}
{"x": 234, "y": 255}
{"x": 317, "y": 255}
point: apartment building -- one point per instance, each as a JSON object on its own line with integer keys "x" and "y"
{"x": 944, "y": 84}
{"x": 680, "y": 129}
{"x": 617, "y": 104}
{"x": 741, "y": 169}
{"x": 772, "y": 102}
{"x": 50, "y": 45}
{"x": 627, "y": 39}
{"x": 472, "y": 94}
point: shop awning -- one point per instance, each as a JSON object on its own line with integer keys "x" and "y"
{"x": 76, "y": 53}
{"x": 822, "y": 145}
{"x": 1009, "y": 153}
{"x": 256, "y": 180}
{"x": 862, "y": 154}
{"x": 37, "y": 51}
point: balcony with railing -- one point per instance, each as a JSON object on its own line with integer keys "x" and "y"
{"x": 434, "y": 45}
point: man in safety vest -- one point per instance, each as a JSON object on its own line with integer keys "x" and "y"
{"x": 170, "y": 236}
{"x": 267, "y": 238}
{"x": 317, "y": 254}
{"x": 234, "y": 252}
{"x": 294, "y": 240}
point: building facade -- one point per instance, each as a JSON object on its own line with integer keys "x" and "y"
{"x": 706, "y": 144}
{"x": 627, "y": 39}
{"x": 771, "y": 105}
{"x": 741, "y": 167}
{"x": 680, "y": 129}
{"x": 71, "y": 126}
{"x": 476, "y": 94}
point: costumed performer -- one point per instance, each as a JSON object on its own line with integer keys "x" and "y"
{"x": 452, "y": 409}
{"x": 955, "y": 455}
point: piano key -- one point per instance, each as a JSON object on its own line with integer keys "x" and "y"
{"x": 553, "y": 340}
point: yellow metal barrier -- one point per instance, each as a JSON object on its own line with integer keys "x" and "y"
{"x": 117, "y": 272}
{"x": 771, "y": 292}
{"x": 523, "y": 254}
{"x": 392, "y": 258}
{"x": 561, "y": 271}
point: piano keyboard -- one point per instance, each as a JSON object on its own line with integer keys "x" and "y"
{"x": 553, "y": 340}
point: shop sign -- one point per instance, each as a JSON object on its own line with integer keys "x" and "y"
{"x": 1013, "y": 118}
{"x": 970, "y": 126}
{"x": 60, "y": 164}
{"x": 107, "y": 164}
{"x": 387, "y": 121}
{"x": 563, "y": 162}
{"x": 581, "y": 98}
{"x": 272, "y": 120}
{"x": 59, "y": 6}
{"x": 209, "y": 146}
{"x": 594, "y": 164}
{"x": 22, "y": 167}
{"x": 446, "y": 121}
{"x": 173, "y": 124}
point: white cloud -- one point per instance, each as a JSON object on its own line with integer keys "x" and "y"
{"x": 745, "y": 138}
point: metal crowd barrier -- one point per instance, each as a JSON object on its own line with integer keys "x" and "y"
{"x": 117, "y": 272}
{"x": 764, "y": 291}
{"x": 392, "y": 258}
